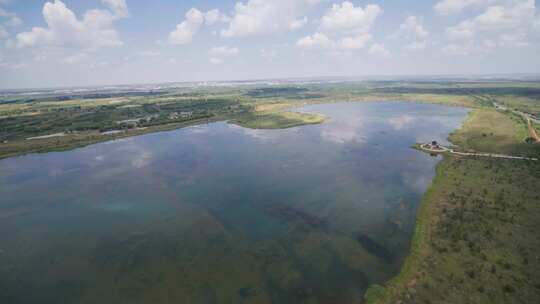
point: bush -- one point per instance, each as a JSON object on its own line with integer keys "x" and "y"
{"x": 508, "y": 289}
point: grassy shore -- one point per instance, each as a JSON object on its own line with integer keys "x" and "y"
{"x": 476, "y": 239}
{"x": 280, "y": 120}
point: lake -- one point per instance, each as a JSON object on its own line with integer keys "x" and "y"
{"x": 221, "y": 214}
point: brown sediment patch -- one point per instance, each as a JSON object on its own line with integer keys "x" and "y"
{"x": 532, "y": 132}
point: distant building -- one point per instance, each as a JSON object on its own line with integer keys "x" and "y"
{"x": 173, "y": 115}
{"x": 149, "y": 118}
{"x": 129, "y": 121}
{"x": 135, "y": 122}
{"x": 186, "y": 114}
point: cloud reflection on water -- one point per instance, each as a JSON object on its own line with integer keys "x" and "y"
{"x": 345, "y": 129}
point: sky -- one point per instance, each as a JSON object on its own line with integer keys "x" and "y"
{"x": 59, "y": 43}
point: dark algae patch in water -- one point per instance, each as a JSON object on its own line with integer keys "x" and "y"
{"x": 374, "y": 248}
{"x": 220, "y": 213}
{"x": 288, "y": 214}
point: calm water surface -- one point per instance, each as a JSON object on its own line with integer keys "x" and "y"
{"x": 221, "y": 214}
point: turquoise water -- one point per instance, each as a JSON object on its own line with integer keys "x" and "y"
{"x": 221, "y": 214}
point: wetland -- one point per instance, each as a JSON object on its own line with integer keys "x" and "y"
{"x": 219, "y": 213}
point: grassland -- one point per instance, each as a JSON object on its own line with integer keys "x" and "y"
{"x": 488, "y": 130}
{"x": 279, "y": 120}
{"x": 520, "y": 103}
{"x": 476, "y": 239}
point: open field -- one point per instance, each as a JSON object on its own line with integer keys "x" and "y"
{"x": 491, "y": 131}
{"x": 520, "y": 103}
{"x": 476, "y": 239}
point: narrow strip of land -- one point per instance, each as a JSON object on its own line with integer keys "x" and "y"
{"x": 442, "y": 149}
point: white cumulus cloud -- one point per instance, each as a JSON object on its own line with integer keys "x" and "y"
{"x": 214, "y": 60}
{"x": 118, "y": 7}
{"x": 347, "y": 17}
{"x": 184, "y": 32}
{"x": 355, "y": 42}
{"x": 509, "y": 23}
{"x": 215, "y": 16}
{"x": 412, "y": 28}
{"x": 449, "y": 7}
{"x": 344, "y": 27}
{"x": 259, "y": 17}
{"x": 413, "y": 33}
{"x": 221, "y": 51}
{"x": 194, "y": 21}
{"x": 298, "y": 23}
{"x": 317, "y": 40}
{"x": 95, "y": 29}
{"x": 379, "y": 50}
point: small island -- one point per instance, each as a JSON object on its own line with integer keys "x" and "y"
{"x": 280, "y": 120}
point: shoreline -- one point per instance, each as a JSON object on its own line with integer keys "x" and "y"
{"x": 421, "y": 278}
{"x": 96, "y": 138}
{"x": 75, "y": 141}
{"x": 378, "y": 294}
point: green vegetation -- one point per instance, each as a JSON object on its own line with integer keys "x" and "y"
{"x": 521, "y": 103}
{"x": 86, "y": 121}
{"x": 280, "y": 120}
{"x": 488, "y": 130}
{"x": 283, "y": 92}
{"x": 476, "y": 235}
{"x": 77, "y": 140}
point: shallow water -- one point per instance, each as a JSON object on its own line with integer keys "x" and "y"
{"x": 221, "y": 214}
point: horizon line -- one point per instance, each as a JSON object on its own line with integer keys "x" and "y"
{"x": 470, "y": 77}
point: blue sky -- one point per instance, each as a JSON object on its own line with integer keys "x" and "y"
{"x": 96, "y": 42}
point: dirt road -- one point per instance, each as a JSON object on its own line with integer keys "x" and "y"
{"x": 441, "y": 149}
{"x": 532, "y": 131}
